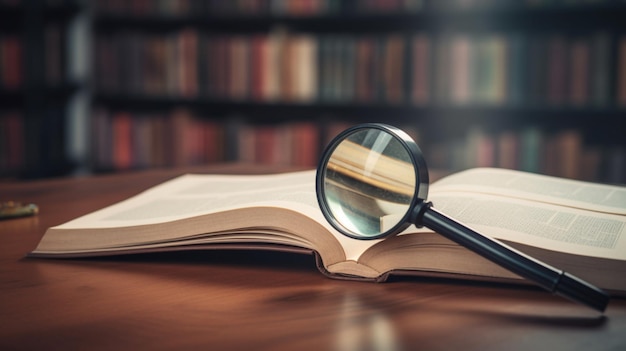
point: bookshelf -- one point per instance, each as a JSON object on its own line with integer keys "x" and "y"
{"x": 36, "y": 87}
{"x": 535, "y": 85}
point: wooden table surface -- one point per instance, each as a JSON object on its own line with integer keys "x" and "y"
{"x": 237, "y": 300}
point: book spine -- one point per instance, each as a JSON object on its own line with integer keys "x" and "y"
{"x": 11, "y": 58}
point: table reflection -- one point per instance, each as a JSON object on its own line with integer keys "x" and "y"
{"x": 359, "y": 331}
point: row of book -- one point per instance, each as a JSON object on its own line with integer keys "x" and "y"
{"x": 124, "y": 140}
{"x": 563, "y": 153}
{"x": 13, "y": 52}
{"x": 318, "y": 7}
{"x": 552, "y": 69}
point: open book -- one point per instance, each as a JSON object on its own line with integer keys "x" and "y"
{"x": 575, "y": 226}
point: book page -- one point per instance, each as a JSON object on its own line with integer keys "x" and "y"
{"x": 195, "y": 195}
{"x": 543, "y": 225}
{"x": 191, "y": 195}
{"x": 536, "y": 187}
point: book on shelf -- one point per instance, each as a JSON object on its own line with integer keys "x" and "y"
{"x": 621, "y": 98}
{"x": 11, "y": 59}
{"x": 579, "y": 227}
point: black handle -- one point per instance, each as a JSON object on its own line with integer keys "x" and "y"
{"x": 550, "y": 278}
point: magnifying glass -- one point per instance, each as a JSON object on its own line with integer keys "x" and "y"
{"x": 372, "y": 182}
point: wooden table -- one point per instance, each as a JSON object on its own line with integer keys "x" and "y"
{"x": 234, "y": 300}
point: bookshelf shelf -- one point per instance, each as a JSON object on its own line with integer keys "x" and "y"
{"x": 12, "y": 15}
{"x": 464, "y": 78}
{"x": 14, "y": 98}
{"x": 275, "y": 111}
{"x": 434, "y": 20}
{"x": 11, "y": 98}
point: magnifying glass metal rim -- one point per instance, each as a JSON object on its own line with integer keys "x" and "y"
{"x": 419, "y": 169}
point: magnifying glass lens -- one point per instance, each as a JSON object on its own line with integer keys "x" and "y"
{"x": 369, "y": 182}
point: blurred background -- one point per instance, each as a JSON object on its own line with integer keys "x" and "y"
{"x": 91, "y": 87}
